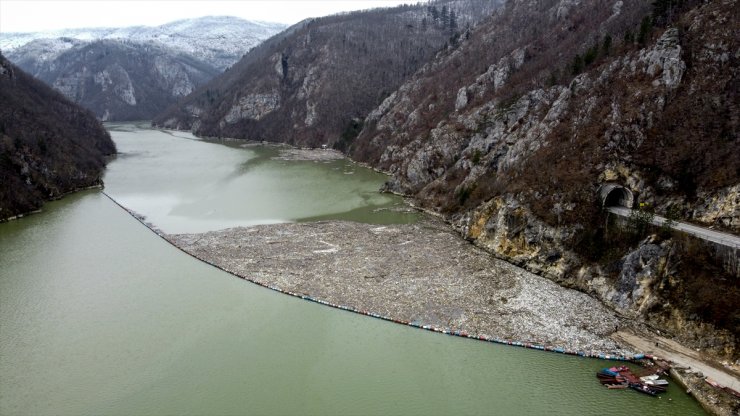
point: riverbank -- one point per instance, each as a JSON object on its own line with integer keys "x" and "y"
{"x": 52, "y": 198}
{"x": 420, "y": 273}
{"x": 692, "y": 370}
{"x": 713, "y": 400}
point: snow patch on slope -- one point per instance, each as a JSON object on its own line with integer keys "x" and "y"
{"x": 222, "y": 40}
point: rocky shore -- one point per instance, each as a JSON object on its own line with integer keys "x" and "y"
{"x": 422, "y": 273}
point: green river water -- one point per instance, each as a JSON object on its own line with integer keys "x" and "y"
{"x": 100, "y": 316}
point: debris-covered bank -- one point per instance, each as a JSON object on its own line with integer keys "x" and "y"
{"x": 423, "y": 273}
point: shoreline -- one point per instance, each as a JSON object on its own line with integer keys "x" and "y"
{"x": 55, "y": 198}
{"x": 553, "y": 327}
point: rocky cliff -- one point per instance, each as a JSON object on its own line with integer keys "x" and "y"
{"x": 48, "y": 145}
{"x": 511, "y": 135}
{"x": 316, "y": 82}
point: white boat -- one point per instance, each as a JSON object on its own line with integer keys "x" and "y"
{"x": 656, "y": 382}
{"x": 650, "y": 377}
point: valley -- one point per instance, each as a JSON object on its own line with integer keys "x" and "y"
{"x": 561, "y": 175}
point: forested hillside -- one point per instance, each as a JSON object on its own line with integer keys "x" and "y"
{"x": 48, "y": 145}
{"x": 121, "y": 80}
{"x": 316, "y": 82}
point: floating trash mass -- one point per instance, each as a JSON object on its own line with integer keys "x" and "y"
{"x": 415, "y": 324}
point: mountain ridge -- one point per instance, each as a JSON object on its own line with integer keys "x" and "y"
{"x": 220, "y": 39}
{"x": 134, "y": 73}
{"x": 323, "y": 75}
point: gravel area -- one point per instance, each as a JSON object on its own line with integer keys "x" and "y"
{"x": 309, "y": 154}
{"x": 423, "y": 273}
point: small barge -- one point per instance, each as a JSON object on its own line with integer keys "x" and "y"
{"x": 622, "y": 377}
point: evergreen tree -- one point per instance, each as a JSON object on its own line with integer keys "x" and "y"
{"x": 434, "y": 12}
{"x": 646, "y": 27}
{"x": 453, "y": 21}
{"x": 577, "y": 65}
{"x": 444, "y": 17}
{"x": 591, "y": 54}
{"x": 607, "y": 45}
{"x": 629, "y": 37}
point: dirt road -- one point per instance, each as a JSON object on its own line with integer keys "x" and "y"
{"x": 682, "y": 356}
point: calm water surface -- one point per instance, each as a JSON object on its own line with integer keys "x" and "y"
{"x": 100, "y": 316}
{"x": 183, "y": 184}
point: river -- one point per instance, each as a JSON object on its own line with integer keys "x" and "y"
{"x": 98, "y": 315}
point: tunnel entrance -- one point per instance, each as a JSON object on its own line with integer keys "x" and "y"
{"x": 615, "y": 195}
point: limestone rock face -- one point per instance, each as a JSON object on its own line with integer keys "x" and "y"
{"x": 640, "y": 269}
{"x": 121, "y": 87}
{"x": 665, "y": 60}
{"x": 174, "y": 77}
{"x": 505, "y": 227}
{"x": 564, "y": 7}
{"x": 253, "y": 106}
{"x": 462, "y": 99}
{"x": 721, "y": 207}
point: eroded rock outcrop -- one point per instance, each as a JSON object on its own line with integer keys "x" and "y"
{"x": 253, "y": 107}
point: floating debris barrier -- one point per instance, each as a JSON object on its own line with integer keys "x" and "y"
{"x": 415, "y": 324}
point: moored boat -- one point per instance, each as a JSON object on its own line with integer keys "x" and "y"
{"x": 643, "y": 389}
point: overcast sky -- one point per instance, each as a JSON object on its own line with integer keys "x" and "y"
{"x": 37, "y": 15}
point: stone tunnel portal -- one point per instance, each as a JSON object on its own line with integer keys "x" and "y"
{"x": 615, "y": 195}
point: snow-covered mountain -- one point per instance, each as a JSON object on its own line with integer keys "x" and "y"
{"x": 222, "y": 40}
{"x": 134, "y": 73}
